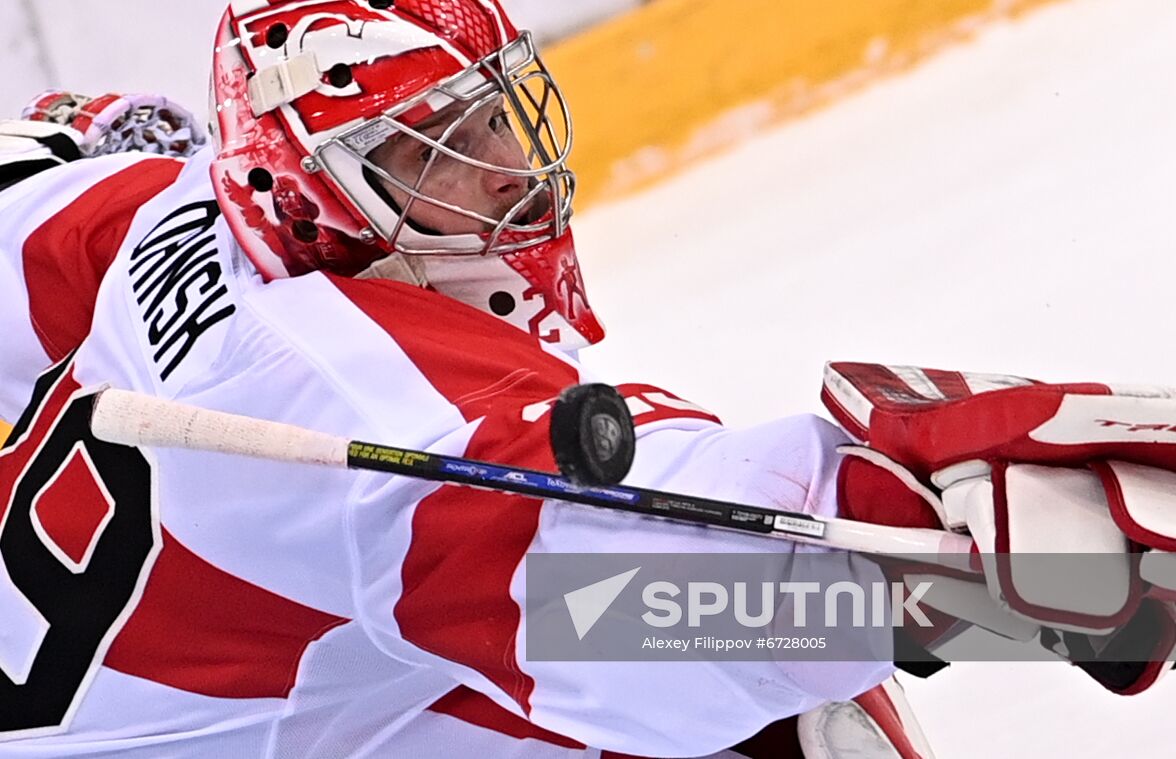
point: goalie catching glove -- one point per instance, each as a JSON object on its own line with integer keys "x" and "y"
{"x": 59, "y": 127}
{"x": 1031, "y": 471}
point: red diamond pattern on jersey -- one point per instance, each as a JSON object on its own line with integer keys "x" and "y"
{"x": 478, "y": 709}
{"x": 203, "y": 630}
{"x": 73, "y": 509}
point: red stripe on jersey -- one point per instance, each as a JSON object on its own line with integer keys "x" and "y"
{"x": 661, "y": 405}
{"x": 478, "y": 709}
{"x": 466, "y": 545}
{"x": 473, "y": 359}
{"x": 203, "y": 630}
{"x": 465, "y": 550}
{"x": 67, "y": 256}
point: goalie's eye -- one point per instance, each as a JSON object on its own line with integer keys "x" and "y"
{"x": 499, "y": 122}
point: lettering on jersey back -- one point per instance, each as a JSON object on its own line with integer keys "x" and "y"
{"x": 177, "y": 283}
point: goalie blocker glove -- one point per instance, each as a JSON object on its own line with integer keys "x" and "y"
{"x": 1029, "y": 470}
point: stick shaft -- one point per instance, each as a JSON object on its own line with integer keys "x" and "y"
{"x": 796, "y": 526}
{"x": 130, "y": 418}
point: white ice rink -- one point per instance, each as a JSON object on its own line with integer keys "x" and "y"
{"x": 1009, "y": 206}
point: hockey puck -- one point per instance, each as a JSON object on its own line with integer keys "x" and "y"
{"x": 592, "y": 435}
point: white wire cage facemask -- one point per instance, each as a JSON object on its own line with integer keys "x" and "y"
{"x": 538, "y": 115}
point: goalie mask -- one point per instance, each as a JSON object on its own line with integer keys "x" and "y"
{"x": 418, "y": 140}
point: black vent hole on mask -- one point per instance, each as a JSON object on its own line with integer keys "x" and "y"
{"x": 276, "y": 35}
{"x": 339, "y": 75}
{"x": 502, "y": 303}
{"x": 261, "y": 180}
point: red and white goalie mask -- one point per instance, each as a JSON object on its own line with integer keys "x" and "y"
{"x": 418, "y": 140}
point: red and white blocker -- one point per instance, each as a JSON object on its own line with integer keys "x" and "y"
{"x": 1031, "y": 470}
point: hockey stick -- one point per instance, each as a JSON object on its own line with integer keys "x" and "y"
{"x": 134, "y": 419}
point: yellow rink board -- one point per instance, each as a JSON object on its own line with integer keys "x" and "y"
{"x": 675, "y": 80}
{"x": 5, "y": 428}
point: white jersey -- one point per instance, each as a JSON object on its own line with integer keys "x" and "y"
{"x": 172, "y": 603}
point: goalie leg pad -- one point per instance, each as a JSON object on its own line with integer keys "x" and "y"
{"x": 878, "y": 724}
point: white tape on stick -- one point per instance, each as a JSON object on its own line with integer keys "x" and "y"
{"x": 130, "y": 418}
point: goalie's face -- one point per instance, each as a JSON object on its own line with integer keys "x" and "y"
{"x": 472, "y": 189}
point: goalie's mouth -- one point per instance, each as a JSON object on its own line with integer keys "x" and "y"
{"x": 533, "y": 212}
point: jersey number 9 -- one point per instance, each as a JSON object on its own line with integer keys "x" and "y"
{"x": 79, "y": 531}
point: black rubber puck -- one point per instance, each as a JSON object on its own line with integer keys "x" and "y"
{"x": 592, "y": 435}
